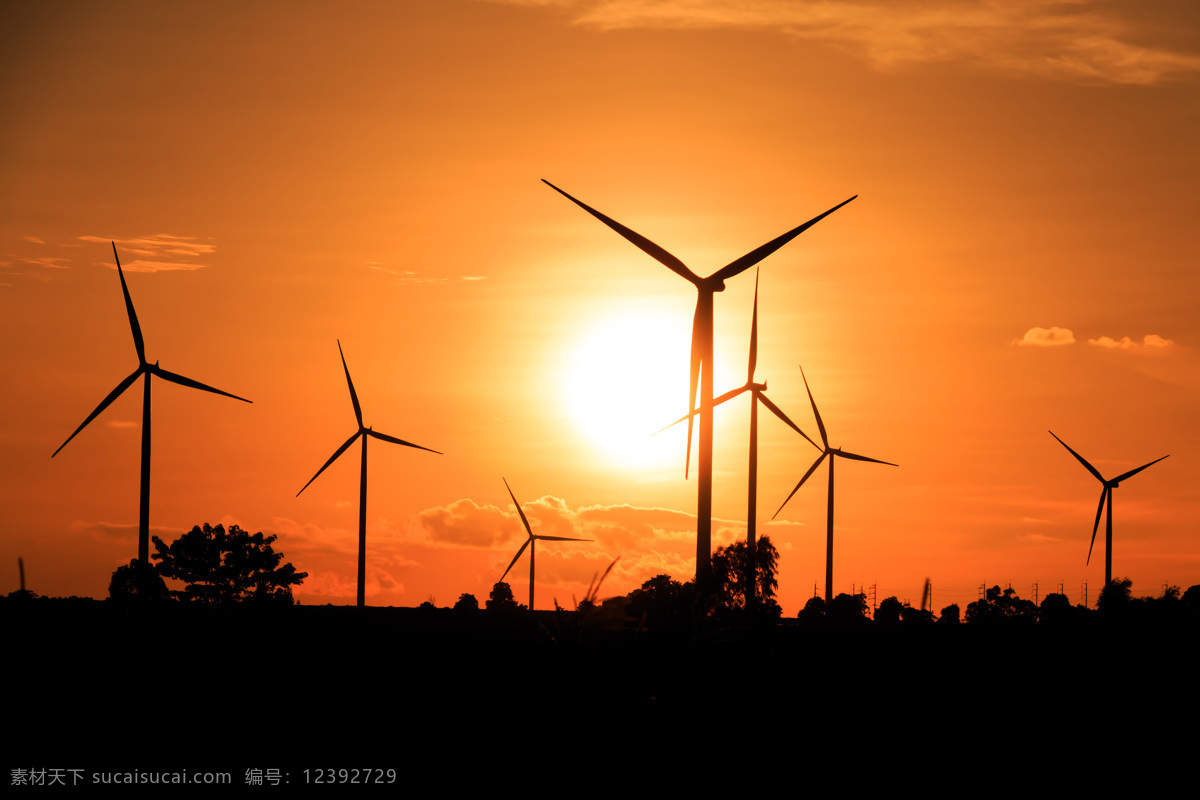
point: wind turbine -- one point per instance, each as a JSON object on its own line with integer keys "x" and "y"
{"x": 530, "y": 543}
{"x": 757, "y": 395}
{"x": 364, "y": 432}
{"x": 702, "y": 352}
{"x": 147, "y": 369}
{"x": 833, "y": 453}
{"x": 1105, "y": 495}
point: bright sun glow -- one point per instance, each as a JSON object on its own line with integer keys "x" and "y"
{"x": 626, "y": 377}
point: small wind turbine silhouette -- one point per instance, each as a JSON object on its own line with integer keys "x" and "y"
{"x": 702, "y": 351}
{"x": 833, "y": 453}
{"x": 757, "y": 395}
{"x": 1105, "y": 495}
{"x": 147, "y": 369}
{"x": 530, "y": 543}
{"x": 364, "y": 432}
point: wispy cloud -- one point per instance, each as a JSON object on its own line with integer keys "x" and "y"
{"x": 34, "y": 239}
{"x": 48, "y": 262}
{"x": 1150, "y": 342}
{"x": 122, "y": 423}
{"x": 156, "y": 252}
{"x": 1087, "y": 41}
{"x": 1046, "y": 337}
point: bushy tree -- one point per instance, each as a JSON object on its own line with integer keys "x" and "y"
{"x": 501, "y": 598}
{"x": 136, "y": 582}
{"x": 1001, "y": 606}
{"x": 848, "y": 609}
{"x": 889, "y": 611}
{"x": 813, "y": 611}
{"x": 731, "y": 568}
{"x": 1116, "y": 598}
{"x": 950, "y": 615}
{"x": 661, "y": 601}
{"x": 225, "y": 568}
{"x": 466, "y": 604}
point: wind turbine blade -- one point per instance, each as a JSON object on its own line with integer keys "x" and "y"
{"x": 811, "y": 470}
{"x": 1082, "y": 460}
{"x": 753, "y": 335}
{"x": 394, "y": 440}
{"x": 138, "y": 342}
{"x": 693, "y": 380}
{"x": 754, "y": 256}
{"x": 856, "y": 457}
{"x": 350, "y": 383}
{"x": 113, "y": 395}
{"x": 541, "y": 538}
{"x": 518, "y": 555}
{"x": 766, "y": 401}
{"x": 332, "y": 459}
{"x": 732, "y": 393}
{"x": 1133, "y": 472}
{"x": 817, "y": 414}
{"x": 1096, "y": 526}
{"x": 524, "y": 521}
{"x": 167, "y": 375}
{"x": 641, "y": 242}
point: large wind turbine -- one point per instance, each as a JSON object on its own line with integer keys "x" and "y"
{"x": 757, "y": 395}
{"x": 147, "y": 369}
{"x": 702, "y": 351}
{"x": 833, "y": 453}
{"x": 364, "y": 432}
{"x": 530, "y": 543}
{"x": 1105, "y": 495}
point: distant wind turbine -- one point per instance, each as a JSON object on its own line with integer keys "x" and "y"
{"x": 530, "y": 543}
{"x": 147, "y": 369}
{"x": 702, "y": 352}
{"x": 1105, "y": 495}
{"x": 833, "y": 453}
{"x": 364, "y": 432}
{"x": 757, "y": 395}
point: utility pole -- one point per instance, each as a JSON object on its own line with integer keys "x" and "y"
{"x": 1035, "y": 593}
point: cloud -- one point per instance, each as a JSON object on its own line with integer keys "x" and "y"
{"x": 1150, "y": 342}
{"x": 34, "y": 239}
{"x": 156, "y": 252}
{"x": 472, "y": 278}
{"x": 1046, "y": 337}
{"x": 1085, "y": 41}
{"x": 122, "y": 423}
{"x": 48, "y": 262}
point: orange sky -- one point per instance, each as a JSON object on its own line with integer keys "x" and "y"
{"x": 276, "y": 181}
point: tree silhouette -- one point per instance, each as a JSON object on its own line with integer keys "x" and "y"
{"x": 848, "y": 609}
{"x": 730, "y": 569}
{"x": 224, "y": 568}
{"x": 813, "y": 611}
{"x": 662, "y": 603}
{"x": 1116, "y": 599}
{"x": 1056, "y": 608}
{"x": 137, "y": 582}
{"x": 950, "y": 615}
{"x": 466, "y": 604}
{"x": 1001, "y": 606}
{"x": 501, "y": 598}
{"x": 889, "y": 612}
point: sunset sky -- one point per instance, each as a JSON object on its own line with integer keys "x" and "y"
{"x": 1022, "y": 257}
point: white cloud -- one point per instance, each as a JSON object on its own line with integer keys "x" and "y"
{"x": 1150, "y": 341}
{"x": 1075, "y": 40}
{"x": 1046, "y": 337}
